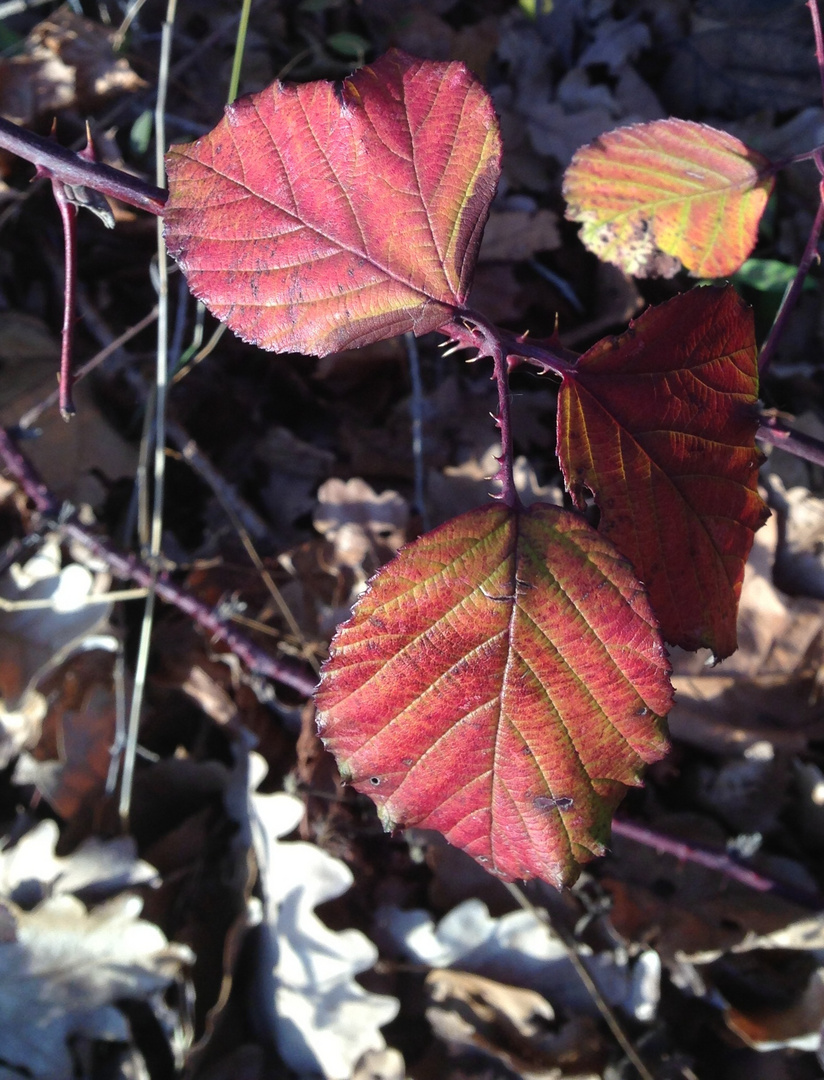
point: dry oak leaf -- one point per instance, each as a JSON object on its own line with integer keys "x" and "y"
{"x": 659, "y": 424}
{"x": 500, "y": 681}
{"x": 325, "y": 216}
{"x": 672, "y": 186}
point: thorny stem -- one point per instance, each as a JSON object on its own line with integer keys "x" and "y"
{"x": 71, "y": 168}
{"x": 714, "y": 860}
{"x": 126, "y": 567}
{"x": 68, "y": 213}
{"x": 471, "y": 331}
{"x": 503, "y": 421}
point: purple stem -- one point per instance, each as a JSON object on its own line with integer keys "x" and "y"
{"x": 811, "y": 250}
{"x": 472, "y": 331}
{"x": 714, "y": 860}
{"x": 62, "y": 164}
{"x": 795, "y": 159}
{"x": 794, "y": 291}
{"x": 819, "y": 40}
{"x": 506, "y": 472}
{"x": 284, "y": 670}
{"x": 68, "y": 213}
{"x": 776, "y": 432}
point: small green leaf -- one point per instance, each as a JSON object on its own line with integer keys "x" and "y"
{"x": 141, "y": 134}
{"x": 350, "y": 45}
{"x": 534, "y": 8}
{"x": 768, "y": 275}
{"x": 313, "y": 7}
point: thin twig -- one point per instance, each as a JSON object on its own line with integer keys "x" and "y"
{"x": 265, "y": 576}
{"x": 240, "y": 45}
{"x": 68, "y": 215}
{"x": 159, "y": 432}
{"x": 48, "y": 602}
{"x": 284, "y": 670}
{"x": 592, "y": 988}
{"x": 31, "y": 416}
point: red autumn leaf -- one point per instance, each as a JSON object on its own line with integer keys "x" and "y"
{"x": 500, "y": 681}
{"x": 660, "y": 425}
{"x": 325, "y": 216}
{"x": 670, "y": 186}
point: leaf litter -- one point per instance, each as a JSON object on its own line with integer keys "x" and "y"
{"x": 746, "y": 771}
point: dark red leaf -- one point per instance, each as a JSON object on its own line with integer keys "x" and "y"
{"x": 660, "y": 425}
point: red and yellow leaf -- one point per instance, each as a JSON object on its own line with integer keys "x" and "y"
{"x": 672, "y": 186}
{"x": 325, "y": 216}
{"x": 659, "y": 424}
{"x": 500, "y": 681}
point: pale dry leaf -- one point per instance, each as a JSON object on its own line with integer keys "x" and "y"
{"x": 799, "y": 565}
{"x": 520, "y": 950}
{"x": 364, "y": 527}
{"x": 63, "y": 970}
{"x": 510, "y": 1024}
{"x": 30, "y": 871}
{"x": 557, "y": 133}
{"x": 387, "y": 1064}
{"x": 465, "y": 486}
{"x": 66, "y": 60}
{"x": 765, "y": 691}
{"x": 35, "y": 640}
{"x": 324, "y": 1021}
{"x": 797, "y": 1027}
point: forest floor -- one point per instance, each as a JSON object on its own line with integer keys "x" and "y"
{"x": 695, "y": 948}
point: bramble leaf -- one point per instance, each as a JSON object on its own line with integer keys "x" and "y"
{"x": 500, "y": 681}
{"x": 325, "y": 216}
{"x": 660, "y": 425}
{"x": 672, "y": 186}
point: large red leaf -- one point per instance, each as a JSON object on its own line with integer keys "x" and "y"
{"x": 500, "y": 681}
{"x": 660, "y": 425}
{"x": 325, "y": 216}
{"x": 691, "y": 191}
